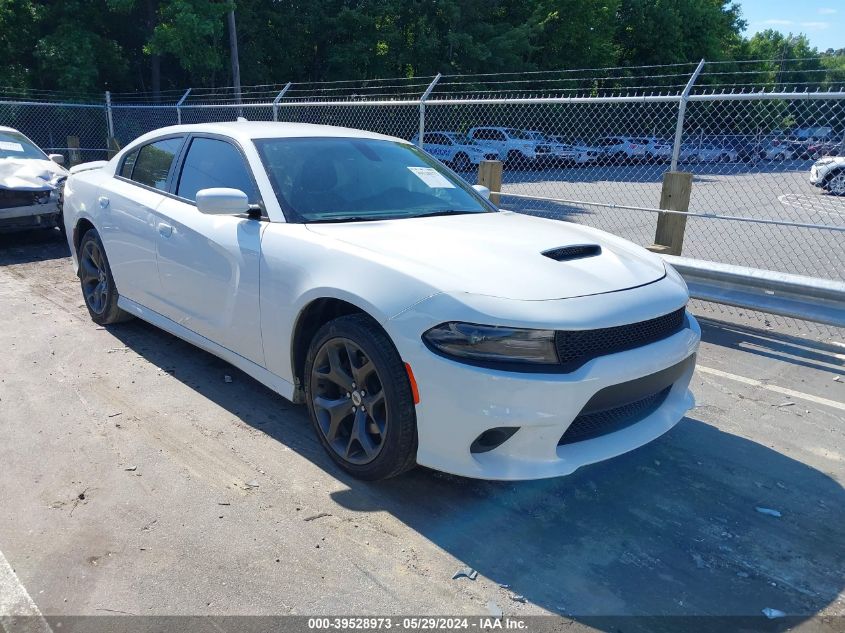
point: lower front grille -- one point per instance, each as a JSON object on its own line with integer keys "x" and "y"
{"x": 591, "y": 425}
{"x": 10, "y": 198}
{"x": 624, "y": 404}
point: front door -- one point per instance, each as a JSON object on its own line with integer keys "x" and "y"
{"x": 208, "y": 265}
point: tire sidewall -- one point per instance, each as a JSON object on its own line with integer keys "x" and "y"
{"x": 838, "y": 174}
{"x": 111, "y": 313}
{"x": 400, "y": 433}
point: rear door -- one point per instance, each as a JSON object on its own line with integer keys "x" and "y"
{"x": 128, "y": 228}
{"x": 208, "y": 264}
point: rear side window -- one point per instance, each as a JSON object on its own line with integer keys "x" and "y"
{"x": 214, "y": 163}
{"x": 153, "y": 163}
{"x": 128, "y": 164}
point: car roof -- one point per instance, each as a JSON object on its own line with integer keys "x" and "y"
{"x": 3, "y": 128}
{"x": 248, "y": 130}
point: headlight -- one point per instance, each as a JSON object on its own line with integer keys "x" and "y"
{"x": 493, "y": 344}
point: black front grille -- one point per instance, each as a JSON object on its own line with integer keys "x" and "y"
{"x": 576, "y": 347}
{"x": 590, "y": 425}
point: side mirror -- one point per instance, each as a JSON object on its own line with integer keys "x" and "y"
{"x": 484, "y": 191}
{"x": 222, "y": 201}
{"x": 59, "y": 159}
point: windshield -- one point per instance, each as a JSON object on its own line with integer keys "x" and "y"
{"x": 459, "y": 139}
{"x": 327, "y": 179}
{"x": 16, "y": 145}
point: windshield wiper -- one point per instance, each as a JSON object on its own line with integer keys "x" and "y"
{"x": 444, "y": 212}
{"x": 344, "y": 218}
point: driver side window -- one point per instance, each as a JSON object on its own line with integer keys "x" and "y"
{"x": 213, "y": 163}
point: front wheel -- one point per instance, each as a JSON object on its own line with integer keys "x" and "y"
{"x": 836, "y": 184}
{"x": 97, "y": 282}
{"x": 360, "y": 399}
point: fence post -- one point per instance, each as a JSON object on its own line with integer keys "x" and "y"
{"x": 682, "y": 109}
{"x": 422, "y": 108}
{"x": 277, "y": 99}
{"x": 74, "y": 155}
{"x": 109, "y": 120}
{"x": 179, "y": 106}
{"x": 114, "y": 147}
{"x": 674, "y": 196}
{"x": 490, "y": 175}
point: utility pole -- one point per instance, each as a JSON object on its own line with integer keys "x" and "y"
{"x": 233, "y": 50}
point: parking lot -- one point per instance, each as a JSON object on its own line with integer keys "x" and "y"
{"x": 138, "y": 480}
{"x": 768, "y": 190}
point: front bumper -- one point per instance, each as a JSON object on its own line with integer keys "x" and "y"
{"x": 460, "y": 402}
{"x": 817, "y": 175}
{"x": 29, "y": 217}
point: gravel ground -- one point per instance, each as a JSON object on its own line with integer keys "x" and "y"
{"x": 136, "y": 480}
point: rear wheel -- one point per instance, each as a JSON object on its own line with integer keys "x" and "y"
{"x": 97, "y": 282}
{"x": 360, "y": 400}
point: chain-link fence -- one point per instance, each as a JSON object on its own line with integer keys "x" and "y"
{"x": 586, "y": 146}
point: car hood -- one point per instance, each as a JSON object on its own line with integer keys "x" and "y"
{"x": 501, "y": 254}
{"x": 30, "y": 174}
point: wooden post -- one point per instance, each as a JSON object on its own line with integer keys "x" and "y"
{"x": 490, "y": 175}
{"x": 674, "y": 196}
{"x": 75, "y": 155}
{"x": 114, "y": 147}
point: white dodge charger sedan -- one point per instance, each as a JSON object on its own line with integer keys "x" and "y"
{"x": 355, "y": 273}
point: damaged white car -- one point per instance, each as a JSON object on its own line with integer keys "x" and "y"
{"x": 30, "y": 184}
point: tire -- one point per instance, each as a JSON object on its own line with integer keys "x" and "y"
{"x": 462, "y": 162}
{"x": 369, "y": 429}
{"x": 97, "y": 283}
{"x": 515, "y": 159}
{"x": 835, "y": 183}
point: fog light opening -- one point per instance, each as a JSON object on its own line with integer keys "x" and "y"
{"x": 492, "y": 438}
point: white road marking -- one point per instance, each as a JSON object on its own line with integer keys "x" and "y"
{"x": 18, "y": 612}
{"x": 781, "y": 390}
{"x": 819, "y": 203}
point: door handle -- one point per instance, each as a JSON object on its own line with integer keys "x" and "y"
{"x": 165, "y": 230}
{"x": 104, "y": 202}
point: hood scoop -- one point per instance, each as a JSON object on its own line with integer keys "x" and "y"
{"x": 576, "y": 251}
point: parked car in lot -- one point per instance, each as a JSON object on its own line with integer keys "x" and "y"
{"x": 821, "y": 149}
{"x": 419, "y": 324}
{"x": 657, "y": 149}
{"x": 581, "y": 154}
{"x": 805, "y": 148}
{"x": 712, "y": 153}
{"x": 514, "y": 146}
{"x": 30, "y": 184}
{"x": 828, "y": 173}
{"x": 456, "y": 150}
{"x": 556, "y": 153}
{"x": 622, "y": 149}
{"x": 775, "y": 150}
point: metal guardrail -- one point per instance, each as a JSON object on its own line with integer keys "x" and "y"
{"x": 796, "y": 296}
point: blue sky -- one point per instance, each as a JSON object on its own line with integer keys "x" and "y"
{"x": 823, "y": 21}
